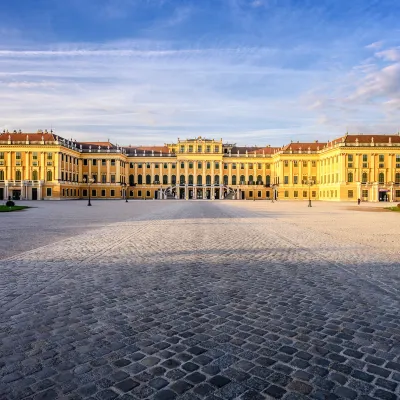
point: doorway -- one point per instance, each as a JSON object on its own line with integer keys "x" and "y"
{"x": 1, "y": 193}
{"x": 16, "y": 195}
{"x": 242, "y": 194}
{"x": 383, "y": 195}
{"x": 34, "y": 193}
{"x": 182, "y": 194}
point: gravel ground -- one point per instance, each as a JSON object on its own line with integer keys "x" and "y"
{"x": 199, "y": 300}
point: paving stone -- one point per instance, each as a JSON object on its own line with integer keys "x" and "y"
{"x": 309, "y": 314}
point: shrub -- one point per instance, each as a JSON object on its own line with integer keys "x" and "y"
{"x": 10, "y": 203}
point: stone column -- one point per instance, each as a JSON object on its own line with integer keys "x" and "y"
{"x": 80, "y": 170}
{"x": 169, "y": 173}
{"x": 27, "y": 168}
{"x": 108, "y": 173}
{"x": 42, "y": 168}
{"x": 118, "y": 164}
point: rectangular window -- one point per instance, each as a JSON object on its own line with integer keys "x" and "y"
{"x": 216, "y": 149}
{"x": 190, "y": 165}
{"x": 313, "y": 163}
{"x": 49, "y": 156}
{"x": 397, "y": 160}
{"x": 296, "y": 193}
{"x": 241, "y": 166}
{"x": 139, "y": 193}
{"x": 251, "y": 166}
{"x": 285, "y": 179}
{"x": 113, "y": 178}
{"x": 113, "y": 162}
{"x": 34, "y": 156}
{"x": 112, "y": 192}
{"x": 304, "y": 163}
{"x": 48, "y": 192}
{"x": 182, "y": 165}
{"x": 251, "y": 193}
{"x": 208, "y": 149}
{"x": 182, "y": 150}
{"x": 397, "y": 193}
{"x": 199, "y": 165}
{"x": 94, "y": 192}
{"x": 199, "y": 149}
{"x": 156, "y": 166}
{"x": 234, "y": 166}
{"x": 365, "y": 193}
{"x": 2, "y": 155}
{"x": 295, "y": 179}
{"x": 94, "y": 176}
{"x": 140, "y": 165}
{"x": 94, "y": 162}
{"x": 259, "y": 193}
{"x": 286, "y": 193}
{"x": 190, "y": 148}
{"x": 314, "y": 194}
{"x": 173, "y": 166}
{"x": 103, "y": 178}
{"x": 103, "y": 162}
{"x": 295, "y": 163}
{"x": 85, "y": 161}
{"x": 18, "y": 155}
{"x": 268, "y": 166}
{"x": 217, "y": 165}
{"x": 131, "y": 165}
{"x": 225, "y": 166}
{"x": 304, "y": 193}
{"x": 259, "y": 166}
{"x": 84, "y": 192}
{"x": 381, "y": 158}
{"x": 286, "y": 163}
{"x": 103, "y": 192}
{"x": 267, "y": 194}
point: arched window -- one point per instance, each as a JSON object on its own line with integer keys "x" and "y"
{"x": 140, "y": 179}
{"x": 233, "y": 179}
{"x": 157, "y": 178}
{"x": 173, "y": 178}
{"x": 225, "y": 179}
{"x": 268, "y": 180}
{"x": 148, "y": 179}
{"x": 350, "y": 177}
{"x": 190, "y": 179}
{"x": 1, "y": 175}
{"x": 49, "y": 175}
{"x": 199, "y": 180}
{"x": 34, "y": 176}
{"x": 208, "y": 180}
{"x": 381, "y": 177}
{"x": 165, "y": 179}
{"x": 182, "y": 179}
{"x": 131, "y": 180}
{"x": 397, "y": 179}
{"x": 242, "y": 179}
{"x": 251, "y": 179}
{"x": 364, "y": 177}
{"x": 259, "y": 179}
{"x": 216, "y": 180}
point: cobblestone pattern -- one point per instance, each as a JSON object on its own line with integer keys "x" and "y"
{"x": 201, "y": 300}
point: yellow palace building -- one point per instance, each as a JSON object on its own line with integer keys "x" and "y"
{"x": 45, "y": 166}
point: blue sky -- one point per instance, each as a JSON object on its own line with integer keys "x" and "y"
{"x": 249, "y": 71}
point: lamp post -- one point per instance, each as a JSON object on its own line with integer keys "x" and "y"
{"x": 273, "y": 186}
{"x": 89, "y": 181}
{"x": 123, "y": 184}
{"x": 126, "y": 193}
{"x": 310, "y": 182}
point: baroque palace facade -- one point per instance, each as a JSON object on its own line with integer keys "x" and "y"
{"x": 44, "y": 166}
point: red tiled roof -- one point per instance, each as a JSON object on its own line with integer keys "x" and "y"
{"x": 394, "y": 138}
{"x": 251, "y": 150}
{"x": 98, "y": 143}
{"x": 163, "y": 149}
{"x": 21, "y": 137}
{"x": 314, "y": 146}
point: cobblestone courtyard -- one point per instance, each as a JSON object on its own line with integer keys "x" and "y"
{"x": 199, "y": 300}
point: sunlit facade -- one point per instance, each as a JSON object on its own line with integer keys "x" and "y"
{"x": 45, "y": 166}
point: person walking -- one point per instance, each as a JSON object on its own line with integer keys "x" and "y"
{"x": 359, "y": 201}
